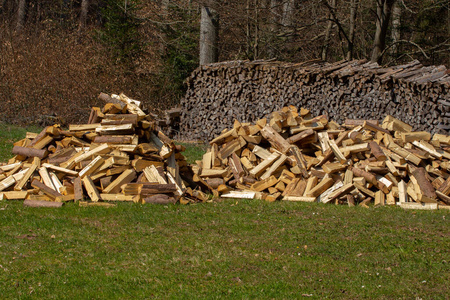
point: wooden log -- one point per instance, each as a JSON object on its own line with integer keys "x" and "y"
{"x": 159, "y": 199}
{"x": 231, "y": 147}
{"x": 78, "y": 189}
{"x": 299, "y": 159}
{"x": 343, "y": 190}
{"x": 377, "y": 151}
{"x": 91, "y": 189}
{"x": 264, "y": 184}
{"x": 108, "y": 99}
{"x": 264, "y": 164}
{"x": 150, "y": 188}
{"x": 304, "y": 137}
{"x": 428, "y": 193}
{"x": 30, "y": 152}
{"x": 91, "y": 167}
{"x": 422, "y": 206}
{"x": 126, "y": 177}
{"x": 320, "y": 188}
{"x": 45, "y": 189}
{"x": 445, "y": 187}
{"x": 23, "y": 181}
{"x": 275, "y": 139}
{"x": 15, "y": 195}
{"x": 373, "y": 127}
{"x": 37, "y": 203}
{"x": 113, "y": 139}
{"x": 415, "y": 136}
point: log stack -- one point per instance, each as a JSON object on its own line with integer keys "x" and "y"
{"x": 247, "y": 91}
{"x": 119, "y": 155}
{"x": 295, "y": 156}
{"x": 170, "y": 123}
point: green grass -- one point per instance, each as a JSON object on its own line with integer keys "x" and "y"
{"x": 232, "y": 249}
{"x": 194, "y": 151}
{"x": 10, "y": 134}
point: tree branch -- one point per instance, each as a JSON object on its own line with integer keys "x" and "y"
{"x": 404, "y": 41}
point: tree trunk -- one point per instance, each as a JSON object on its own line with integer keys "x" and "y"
{"x": 256, "y": 40}
{"x": 274, "y": 27}
{"x": 165, "y": 7}
{"x": 209, "y": 29}
{"x": 326, "y": 42}
{"x": 384, "y": 8}
{"x": 287, "y": 19}
{"x": 395, "y": 34}
{"x": 351, "y": 34}
{"x": 21, "y": 12}
{"x": 164, "y": 27}
{"x": 84, "y": 13}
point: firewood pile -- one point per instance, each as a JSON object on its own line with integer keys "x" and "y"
{"x": 247, "y": 91}
{"x": 297, "y": 157}
{"x": 118, "y": 156}
{"x": 170, "y": 123}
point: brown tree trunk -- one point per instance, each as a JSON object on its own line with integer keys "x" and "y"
{"x": 84, "y": 13}
{"x": 352, "y": 25}
{"x": 287, "y": 19}
{"x": 384, "y": 8}
{"x": 326, "y": 42}
{"x": 209, "y": 31}
{"x": 256, "y": 39}
{"x": 274, "y": 27}
{"x": 395, "y": 34}
{"x": 21, "y": 12}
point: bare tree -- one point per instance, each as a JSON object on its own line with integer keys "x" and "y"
{"x": 84, "y": 13}
{"x": 21, "y": 12}
{"x": 395, "y": 32}
{"x": 352, "y": 26}
{"x": 287, "y": 19}
{"x": 330, "y": 22}
{"x": 384, "y": 8}
{"x": 209, "y": 32}
{"x": 165, "y": 7}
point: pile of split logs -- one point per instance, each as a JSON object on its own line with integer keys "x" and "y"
{"x": 170, "y": 124}
{"x": 247, "y": 91}
{"x": 297, "y": 157}
{"x": 118, "y": 156}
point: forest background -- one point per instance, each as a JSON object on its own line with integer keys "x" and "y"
{"x": 57, "y": 55}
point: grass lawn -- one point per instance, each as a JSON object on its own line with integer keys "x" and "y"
{"x": 227, "y": 249}
{"x": 236, "y": 249}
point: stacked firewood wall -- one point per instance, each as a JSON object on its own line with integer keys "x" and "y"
{"x": 247, "y": 91}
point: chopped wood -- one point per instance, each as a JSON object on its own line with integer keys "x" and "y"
{"x": 38, "y": 203}
{"x": 29, "y": 152}
{"x": 45, "y": 189}
{"x": 239, "y": 194}
{"x": 159, "y": 199}
{"x": 290, "y": 156}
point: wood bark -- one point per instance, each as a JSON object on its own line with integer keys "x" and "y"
{"x": 84, "y": 13}
{"x": 352, "y": 26}
{"x": 348, "y": 91}
{"x": 21, "y": 13}
{"x": 326, "y": 43}
{"x": 396, "y": 23}
{"x": 384, "y": 9}
{"x": 41, "y": 203}
{"x": 209, "y": 33}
